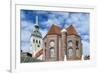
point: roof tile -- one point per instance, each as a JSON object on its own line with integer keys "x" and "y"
{"x": 54, "y": 30}
{"x": 71, "y": 30}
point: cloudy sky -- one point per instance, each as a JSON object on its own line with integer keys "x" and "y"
{"x": 79, "y": 20}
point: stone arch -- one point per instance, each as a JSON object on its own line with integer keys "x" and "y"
{"x": 70, "y": 52}
{"x": 52, "y": 52}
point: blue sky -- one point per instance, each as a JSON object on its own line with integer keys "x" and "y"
{"x": 80, "y": 21}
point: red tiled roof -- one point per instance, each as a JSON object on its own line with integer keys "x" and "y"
{"x": 54, "y": 30}
{"x": 39, "y": 53}
{"x": 71, "y": 30}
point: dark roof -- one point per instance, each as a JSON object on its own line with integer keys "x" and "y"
{"x": 36, "y": 33}
{"x": 39, "y": 53}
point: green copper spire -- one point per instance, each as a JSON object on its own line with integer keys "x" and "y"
{"x": 36, "y": 31}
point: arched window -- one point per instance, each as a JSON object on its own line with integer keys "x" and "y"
{"x": 38, "y": 45}
{"x": 77, "y": 52}
{"x": 70, "y": 52}
{"x": 52, "y": 43}
{"x": 70, "y": 43}
{"x": 52, "y": 52}
{"x": 39, "y": 42}
{"x": 77, "y": 43}
{"x": 33, "y": 40}
{"x": 36, "y": 41}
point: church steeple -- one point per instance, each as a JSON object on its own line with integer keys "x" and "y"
{"x": 36, "y": 19}
{"x": 36, "y": 23}
{"x": 36, "y": 31}
{"x": 36, "y": 39}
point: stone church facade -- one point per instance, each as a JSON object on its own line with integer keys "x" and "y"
{"x": 62, "y": 44}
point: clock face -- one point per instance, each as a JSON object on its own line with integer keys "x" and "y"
{"x": 52, "y": 43}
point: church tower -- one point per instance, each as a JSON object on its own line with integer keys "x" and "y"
{"x": 52, "y": 43}
{"x": 74, "y": 44}
{"x": 35, "y": 39}
{"x": 63, "y": 43}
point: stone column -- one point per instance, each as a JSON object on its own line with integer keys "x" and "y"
{"x": 64, "y": 43}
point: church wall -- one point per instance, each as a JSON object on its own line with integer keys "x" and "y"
{"x": 60, "y": 49}
{"x": 58, "y": 45}
{"x": 49, "y": 38}
{"x": 76, "y": 55}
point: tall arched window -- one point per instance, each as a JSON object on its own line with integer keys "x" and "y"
{"x": 39, "y": 42}
{"x": 77, "y": 52}
{"x": 70, "y": 52}
{"x": 77, "y": 43}
{"x": 33, "y": 40}
{"x": 36, "y": 41}
{"x": 52, "y": 52}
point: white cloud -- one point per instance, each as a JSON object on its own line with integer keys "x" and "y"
{"x": 22, "y": 15}
{"x": 86, "y": 47}
{"x": 85, "y": 37}
{"x": 49, "y": 23}
{"x": 26, "y": 29}
{"x": 81, "y": 23}
{"x": 60, "y": 14}
{"x": 43, "y": 32}
{"x": 26, "y": 25}
{"x": 25, "y": 35}
{"x": 25, "y": 47}
{"x": 40, "y": 12}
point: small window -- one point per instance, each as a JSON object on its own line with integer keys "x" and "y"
{"x": 77, "y": 48}
{"x": 38, "y": 46}
{"x": 36, "y": 41}
{"x": 39, "y": 42}
{"x": 77, "y": 43}
{"x": 33, "y": 40}
{"x": 21, "y": 51}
